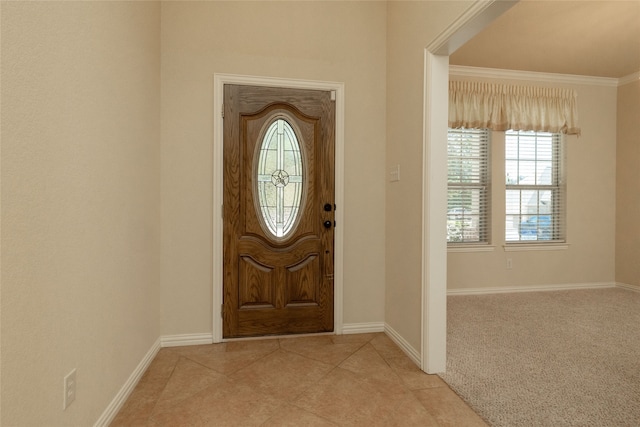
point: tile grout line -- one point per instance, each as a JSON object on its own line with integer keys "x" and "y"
{"x": 336, "y": 366}
{"x": 148, "y": 418}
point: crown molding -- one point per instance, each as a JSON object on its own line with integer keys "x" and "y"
{"x": 496, "y": 73}
{"x": 629, "y": 79}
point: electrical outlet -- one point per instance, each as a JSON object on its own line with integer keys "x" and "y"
{"x": 509, "y": 264}
{"x": 69, "y": 389}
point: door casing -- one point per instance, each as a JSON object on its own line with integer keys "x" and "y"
{"x": 217, "y": 239}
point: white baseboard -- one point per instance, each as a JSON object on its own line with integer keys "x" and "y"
{"x": 634, "y": 288}
{"x": 534, "y": 288}
{"x": 207, "y": 338}
{"x": 116, "y": 404}
{"x": 362, "y": 328}
{"x": 185, "y": 339}
{"x": 413, "y": 354}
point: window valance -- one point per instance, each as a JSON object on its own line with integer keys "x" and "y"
{"x": 503, "y": 107}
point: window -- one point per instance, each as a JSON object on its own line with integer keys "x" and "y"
{"x": 279, "y": 180}
{"x": 534, "y": 187}
{"x": 468, "y": 186}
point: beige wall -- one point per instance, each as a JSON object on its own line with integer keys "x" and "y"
{"x": 591, "y": 184}
{"x": 411, "y": 27}
{"x": 80, "y": 203}
{"x": 106, "y": 169}
{"x": 628, "y": 185}
{"x": 330, "y": 41}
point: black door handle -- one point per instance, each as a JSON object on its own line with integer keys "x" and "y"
{"x": 327, "y": 224}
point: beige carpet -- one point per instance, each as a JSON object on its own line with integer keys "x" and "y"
{"x": 561, "y": 358}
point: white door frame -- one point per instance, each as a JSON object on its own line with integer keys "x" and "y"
{"x": 434, "y": 178}
{"x": 219, "y": 80}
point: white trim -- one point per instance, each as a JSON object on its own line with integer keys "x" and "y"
{"x": 629, "y": 79}
{"x": 413, "y": 354}
{"x": 530, "y": 288}
{"x": 519, "y": 247}
{"x": 473, "y": 20}
{"x": 218, "y": 188}
{"x": 434, "y": 202}
{"x": 219, "y": 80}
{"x": 116, "y": 404}
{"x": 363, "y": 328}
{"x": 185, "y": 339}
{"x": 496, "y": 73}
{"x": 634, "y": 288}
{"x": 470, "y": 248}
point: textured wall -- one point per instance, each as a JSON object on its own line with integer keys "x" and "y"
{"x": 628, "y": 185}
{"x": 330, "y": 41}
{"x": 411, "y": 27}
{"x": 80, "y": 203}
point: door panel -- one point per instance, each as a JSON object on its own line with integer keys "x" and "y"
{"x": 278, "y": 176}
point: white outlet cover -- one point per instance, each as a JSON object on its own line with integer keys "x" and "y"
{"x": 69, "y": 389}
{"x": 394, "y": 174}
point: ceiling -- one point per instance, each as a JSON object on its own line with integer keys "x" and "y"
{"x": 589, "y": 38}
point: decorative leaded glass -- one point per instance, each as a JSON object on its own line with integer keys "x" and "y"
{"x": 280, "y": 179}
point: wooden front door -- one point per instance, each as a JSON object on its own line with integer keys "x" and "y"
{"x": 278, "y": 211}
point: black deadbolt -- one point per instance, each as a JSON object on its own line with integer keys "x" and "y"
{"x": 327, "y": 207}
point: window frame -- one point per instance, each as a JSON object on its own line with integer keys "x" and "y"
{"x": 482, "y": 184}
{"x": 557, "y": 188}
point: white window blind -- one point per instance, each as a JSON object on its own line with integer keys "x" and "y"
{"x": 535, "y": 188}
{"x": 468, "y": 186}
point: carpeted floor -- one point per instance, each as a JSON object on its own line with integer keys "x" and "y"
{"x": 561, "y": 358}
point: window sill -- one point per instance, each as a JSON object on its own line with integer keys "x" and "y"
{"x": 519, "y": 247}
{"x": 470, "y": 248}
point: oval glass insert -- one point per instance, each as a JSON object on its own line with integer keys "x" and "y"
{"x": 280, "y": 178}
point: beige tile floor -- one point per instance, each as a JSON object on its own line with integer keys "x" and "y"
{"x": 326, "y": 380}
